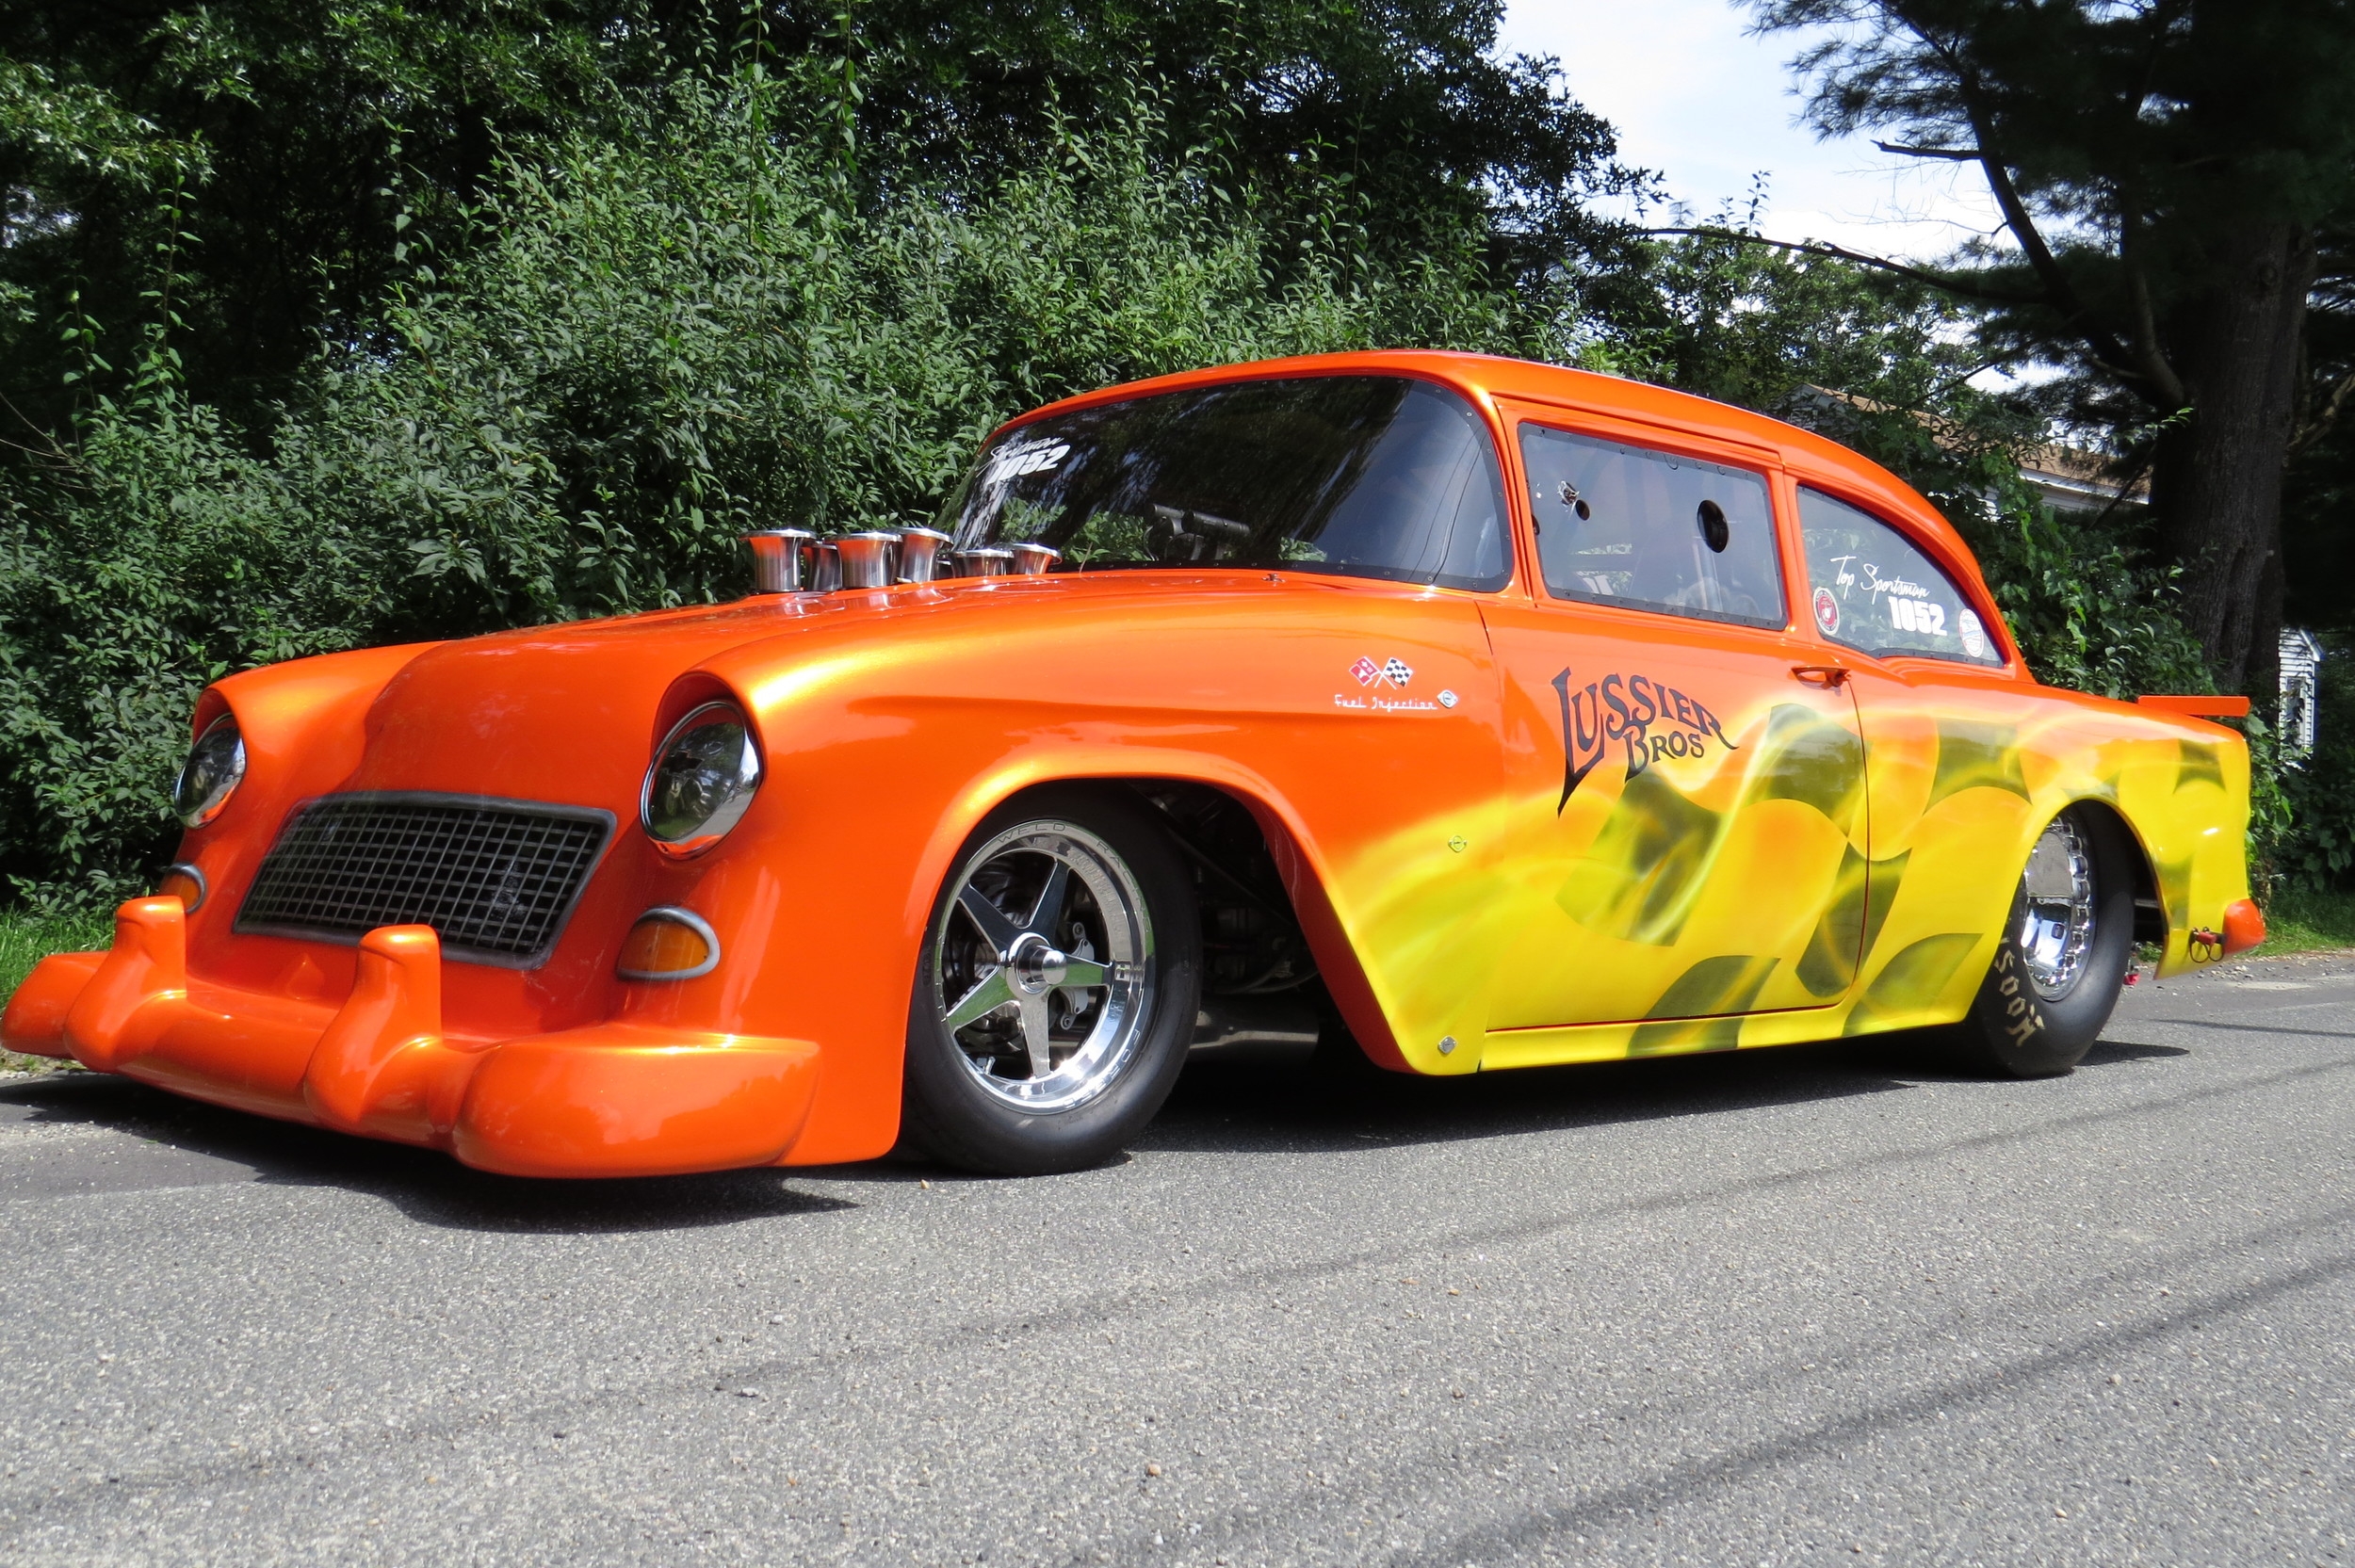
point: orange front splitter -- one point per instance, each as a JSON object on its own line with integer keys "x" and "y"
{"x": 608, "y": 1100}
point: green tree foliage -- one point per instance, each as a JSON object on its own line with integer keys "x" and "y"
{"x": 335, "y": 322}
{"x": 1400, "y": 101}
{"x": 661, "y": 339}
{"x": 278, "y": 146}
{"x": 2318, "y": 499}
{"x": 300, "y": 145}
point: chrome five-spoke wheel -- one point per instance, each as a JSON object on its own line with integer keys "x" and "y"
{"x": 1041, "y": 974}
{"x": 1056, "y": 992}
{"x": 2056, "y": 931}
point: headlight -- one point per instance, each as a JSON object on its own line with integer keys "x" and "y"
{"x": 701, "y": 781}
{"x": 215, "y": 768}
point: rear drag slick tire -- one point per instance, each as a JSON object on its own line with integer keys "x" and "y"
{"x": 2058, "y": 970}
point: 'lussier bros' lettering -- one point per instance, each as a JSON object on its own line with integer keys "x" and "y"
{"x": 1644, "y": 719}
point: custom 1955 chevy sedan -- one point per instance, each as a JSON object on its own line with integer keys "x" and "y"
{"x": 1466, "y": 713}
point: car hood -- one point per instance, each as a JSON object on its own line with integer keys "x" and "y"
{"x": 565, "y": 714}
{"x": 560, "y": 714}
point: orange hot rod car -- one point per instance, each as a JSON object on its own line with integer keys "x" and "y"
{"x": 1482, "y": 714}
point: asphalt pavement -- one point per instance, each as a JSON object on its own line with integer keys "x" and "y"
{"x": 1821, "y": 1304}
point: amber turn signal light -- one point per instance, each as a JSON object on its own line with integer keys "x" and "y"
{"x": 184, "y": 883}
{"x": 668, "y": 943}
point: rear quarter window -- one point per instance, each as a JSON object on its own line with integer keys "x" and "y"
{"x": 1869, "y": 589}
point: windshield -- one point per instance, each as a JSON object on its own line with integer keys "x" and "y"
{"x": 1358, "y": 476}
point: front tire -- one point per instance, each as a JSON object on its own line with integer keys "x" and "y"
{"x": 2056, "y": 973}
{"x": 1056, "y": 994}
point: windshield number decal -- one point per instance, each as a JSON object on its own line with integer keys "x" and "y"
{"x": 1033, "y": 456}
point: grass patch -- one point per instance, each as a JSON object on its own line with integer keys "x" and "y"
{"x": 24, "y": 941}
{"x": 2307, "y": 920}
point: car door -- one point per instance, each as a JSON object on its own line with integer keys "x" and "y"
{"x": 1950, "y": 794}
{"x": 1685, "y": 774}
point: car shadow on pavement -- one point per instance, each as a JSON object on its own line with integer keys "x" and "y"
{"x": 187, "y": 1143}
{"x": 1223, "y": 1104}
{"x": 2104, "y": 1052}
{"x": 1301, "y": 1107}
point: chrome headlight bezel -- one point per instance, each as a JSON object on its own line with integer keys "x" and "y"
{"x": 214, "y": 769}
{"x": 685, "y": 821}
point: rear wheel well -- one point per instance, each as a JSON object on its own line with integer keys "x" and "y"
{"x": 2149, "y": 914}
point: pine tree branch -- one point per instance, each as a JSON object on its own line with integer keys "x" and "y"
{"x": 1957, "y": 154}
{"x": 1841, "y": 252}
{"x": 2341, "y": 392}
{"x": 2146, "y": 319}
{"x": 1953, "y": 382}
{"x": 2160, "y": 385}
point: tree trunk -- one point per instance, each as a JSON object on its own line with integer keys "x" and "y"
{"x": 2218, "y": 480}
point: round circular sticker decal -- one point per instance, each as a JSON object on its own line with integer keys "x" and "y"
{"x": 1827, "y": 612}
{"x": 1973, "y": 635}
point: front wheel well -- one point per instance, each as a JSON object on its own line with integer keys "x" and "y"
{"x": 1258, "y": 969}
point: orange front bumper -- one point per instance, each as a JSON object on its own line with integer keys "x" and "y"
{"x": 609, "y": 1100}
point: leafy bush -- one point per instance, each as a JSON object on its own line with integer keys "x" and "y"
{"x": 661, "y": 340}
{"x": 151, "y": 558}
{"x": 2092, "y": 610}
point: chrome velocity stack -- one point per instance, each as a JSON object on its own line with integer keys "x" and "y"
{"x": 777, "y": 558}
{"x": 825, "y": 568}
{"x": 867, "y": 558}
{"x": 919, "y": 554}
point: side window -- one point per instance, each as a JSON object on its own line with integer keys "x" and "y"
{"x": 1620, "y": 524}
{"x": 1871, "y": 590}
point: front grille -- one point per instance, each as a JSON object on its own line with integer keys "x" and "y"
{"x": 495, "y": 878}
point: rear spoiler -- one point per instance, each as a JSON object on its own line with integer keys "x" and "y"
{"x": 2200, "y": 707}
